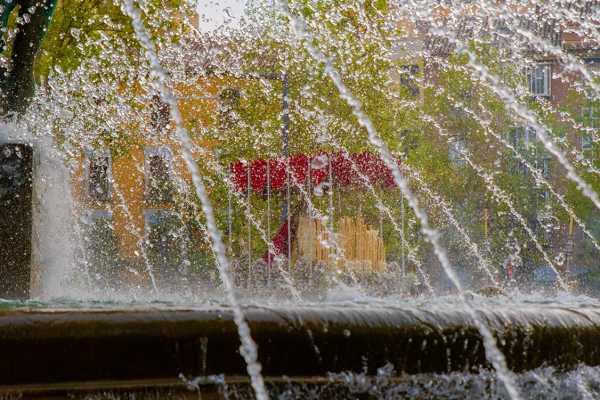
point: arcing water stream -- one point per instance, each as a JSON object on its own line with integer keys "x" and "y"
{"x": 248, "y": 348}
{"x": 332, "y": 73}
{"x": 492, "y": 351}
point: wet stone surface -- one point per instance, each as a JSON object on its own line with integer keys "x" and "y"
{"x": 15, "y": 219}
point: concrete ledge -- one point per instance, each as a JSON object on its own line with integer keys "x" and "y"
{"x": 45, "y": 349}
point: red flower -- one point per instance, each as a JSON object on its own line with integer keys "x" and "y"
{"x": 319, "y": 168}
{"x": 342, "y": 169}
{"x": 279, "y": 244}
{"x": 277, "y": 174}
{"x": 344, "y": 173}
{"x": 299, "y": 169}
{"x": 258, "y": 175}
{"x": 239, "y": 172}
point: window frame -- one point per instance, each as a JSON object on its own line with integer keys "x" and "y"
{"x": 160, "y": 114}
{"x": 94, "y": 214}
{"x": 547, "y": 79}
{"x": 408, "y": 75}
{"x": 150, "y": 213}
{"x": 158, "y": 213}
{"x": 166, "y": 154}
{"x": 454, "y": 155}
{"x": 545, "y": 170}
{"x": 590, "y": 115}
{"x": 523, "y": 136}
{"x": 100, "y": 246}
{"x": 91, "y": 154}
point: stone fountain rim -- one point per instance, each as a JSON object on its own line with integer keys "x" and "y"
{"x": 497, "y": 317}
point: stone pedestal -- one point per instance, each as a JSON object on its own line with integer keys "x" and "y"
{"x": 16, "y": 164}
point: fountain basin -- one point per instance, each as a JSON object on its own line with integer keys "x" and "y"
{"x": 54, "y": 349}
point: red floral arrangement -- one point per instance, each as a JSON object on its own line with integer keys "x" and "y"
{"x": 264, "y": 173}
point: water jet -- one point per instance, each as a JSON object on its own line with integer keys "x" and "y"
{"x": 155, "y": 237}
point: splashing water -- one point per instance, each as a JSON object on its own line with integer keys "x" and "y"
{"x": 494, "y": 354}
{"x": 281, "y": 97}
{"x": 248, "y": 348}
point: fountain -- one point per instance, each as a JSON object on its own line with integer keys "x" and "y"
{"x": 364, "y": 200}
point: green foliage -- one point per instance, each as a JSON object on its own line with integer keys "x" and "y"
{"x": 419, "y": 127}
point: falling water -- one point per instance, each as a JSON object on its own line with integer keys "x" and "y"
{"x": 498, "y": 193}
{"x": 535, "y": 172}
{"x": 483, "y": 264}
{"x": 494, "y": 84}
{"x": 494, "y": 354}
{"x": 55, "y": 239}
{"x": 505, "y": 198}
{"x": 248, "y": 348}
{"x": 56, "y": 229}
{"x": 54, "y": 221}
{"x": 131, "y": 228}
{"x": 245, "y": 206}
{"x": 386, "y": 210}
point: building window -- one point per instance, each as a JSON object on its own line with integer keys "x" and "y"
{"x": 523, "y": 139}
{"x": 591, "y": 120}
{"x": 586, "y": 143}
{"x": 546, "y": 197}
{"x": 408, "y": 79}
{"x": 538, "y": 79}
{"x": 457, "y": 146}
{"x": 230, "y": 98}
{"x": 546, "y": 167}
{"x": 549, "y": 29}
{"x": 530, "y": 136}
{"x": 98, "y": 175}
{"x": 591, "y": 116}
{"x": 159, "y": 114}
{"x": 162, "y": 231}
{"x": 158, "y": 174}
{"x": 523, "y": 136}
{"x": 100, "y": 246}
